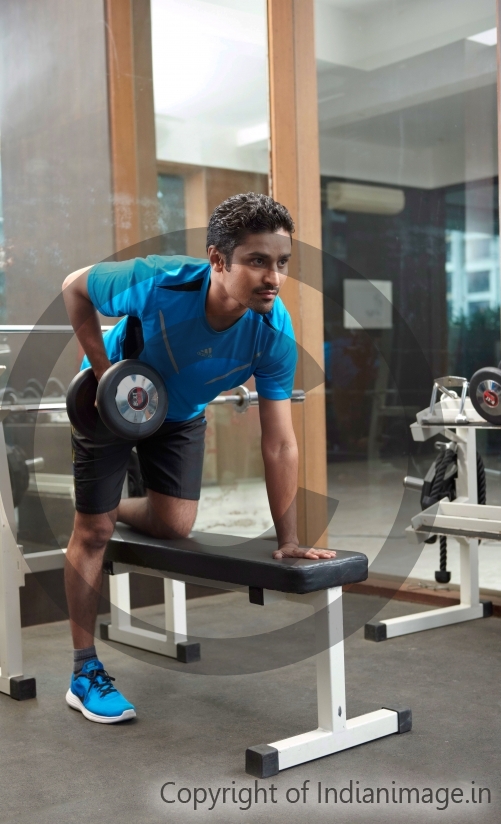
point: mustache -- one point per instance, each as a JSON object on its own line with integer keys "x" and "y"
{"x": 261, "y": 289}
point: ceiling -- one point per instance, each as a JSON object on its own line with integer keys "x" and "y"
{"x": 364, "y": 5}
{"x": 427, "y": 125}
{"x": 210, "y": 77}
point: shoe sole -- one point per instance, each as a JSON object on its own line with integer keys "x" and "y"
{"x": 74, "y": 702}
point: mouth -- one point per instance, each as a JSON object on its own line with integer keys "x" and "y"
{"x": 267, "y": 295}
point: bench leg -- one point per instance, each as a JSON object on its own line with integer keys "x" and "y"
{"x": 334, "y": 732}
{"x": 173, "y": 643}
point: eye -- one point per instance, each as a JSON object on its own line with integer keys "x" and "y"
{"x": 258, "y": 261}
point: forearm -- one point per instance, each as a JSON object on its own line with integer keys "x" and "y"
{"x": 281, "y": 466}
{"x": 85, "y": 321}
{"x": 280, "y": 455}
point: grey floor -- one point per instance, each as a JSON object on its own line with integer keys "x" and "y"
{"x": 255, "y": 684}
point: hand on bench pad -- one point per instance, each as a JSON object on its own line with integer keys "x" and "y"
{"x": 235, "y": 560}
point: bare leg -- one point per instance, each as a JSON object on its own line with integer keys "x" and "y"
{"x": 83, "y": 573}
{"x": 161, "y": 516}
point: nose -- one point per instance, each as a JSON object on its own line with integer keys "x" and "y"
{"x": 272, "y": 278}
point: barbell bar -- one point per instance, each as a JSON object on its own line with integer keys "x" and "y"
{"x": 242, "y": 399}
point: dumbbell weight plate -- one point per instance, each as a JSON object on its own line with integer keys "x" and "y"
{"x": 82, "y": 412}
{"x": 132, "y": 399}
{"x": 485, "y": 394}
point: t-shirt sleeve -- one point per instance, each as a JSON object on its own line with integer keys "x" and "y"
{"x": 122, "y": 288}
{"x": 275, "y": 371}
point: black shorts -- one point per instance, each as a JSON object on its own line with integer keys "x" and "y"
{"x": 171, "y": 463}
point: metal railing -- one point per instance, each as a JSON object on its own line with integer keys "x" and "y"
{"x": 241, "y": 399}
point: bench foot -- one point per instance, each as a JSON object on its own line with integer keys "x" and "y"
{"x": 19, "y": 687}
{"x": 404, "y": 717}
{"x": 188, "y": 652}
{"x": 261, "y": 761}
{"x": 375, "y": 631}
{"x": 269, "y": 759}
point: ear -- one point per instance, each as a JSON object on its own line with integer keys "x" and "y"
{"x": 216, "y": 259}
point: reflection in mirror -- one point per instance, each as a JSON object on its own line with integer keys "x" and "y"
{"x": 408, "y": 151}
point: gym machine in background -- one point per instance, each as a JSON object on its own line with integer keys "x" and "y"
{"x": 453, "y": 496}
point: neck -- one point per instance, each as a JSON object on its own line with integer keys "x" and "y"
{"x": 221, "y": 310}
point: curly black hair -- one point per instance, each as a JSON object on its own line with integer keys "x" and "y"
{"x": 243, "y": 214}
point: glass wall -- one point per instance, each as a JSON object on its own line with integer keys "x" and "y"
{"x": 61, "y": 207}
{"x": 408, "y": 150}
{"x": 56, "y": 217}
{"x": 211, "y": 114}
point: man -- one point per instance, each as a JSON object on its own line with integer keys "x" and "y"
{"x": 206, "y": 327}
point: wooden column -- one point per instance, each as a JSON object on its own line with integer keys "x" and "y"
{"x": 197, "y": 216}
{"x": 132, "y": 120}
{"x": 295, "y": 182}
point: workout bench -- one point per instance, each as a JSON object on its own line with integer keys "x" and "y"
{"x": 218, "y": 561}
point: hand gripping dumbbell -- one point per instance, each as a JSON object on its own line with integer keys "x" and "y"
{"x": 485, "y": 393}
{"x": 131, "y": 400}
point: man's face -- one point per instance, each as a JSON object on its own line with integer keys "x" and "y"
{"x": 258, "y": 270}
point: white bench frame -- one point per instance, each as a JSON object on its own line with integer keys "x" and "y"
{"x": 334, "y": 732}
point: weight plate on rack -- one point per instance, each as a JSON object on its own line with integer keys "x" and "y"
{"x": 485, "y": 394}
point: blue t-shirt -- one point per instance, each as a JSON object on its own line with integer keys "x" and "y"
{"x": 163, "y": 299}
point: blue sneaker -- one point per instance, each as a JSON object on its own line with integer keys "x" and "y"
{"x": 92, "y": 693}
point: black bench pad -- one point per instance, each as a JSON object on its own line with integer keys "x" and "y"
{"x": 235, "y": 561}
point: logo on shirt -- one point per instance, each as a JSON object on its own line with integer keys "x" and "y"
{"x": 205, "y": 353}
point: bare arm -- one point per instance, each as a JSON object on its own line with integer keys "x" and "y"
{"x": 85, "y": 320}
{"x": 280, "y": 456}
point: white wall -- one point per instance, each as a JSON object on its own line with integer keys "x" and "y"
{"x": 204, "y": 143}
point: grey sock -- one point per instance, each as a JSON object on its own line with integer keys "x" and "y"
{"x": 80, "y": 656}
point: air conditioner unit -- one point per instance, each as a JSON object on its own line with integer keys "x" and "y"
{"x": 373, "y": 200}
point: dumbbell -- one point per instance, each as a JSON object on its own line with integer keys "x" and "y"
{"x": 131, "y": 402}
{"x": 485, "y": 393}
